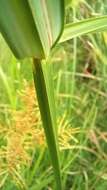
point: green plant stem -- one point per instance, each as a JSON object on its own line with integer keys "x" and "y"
{"x": 45, "y": 94}
{"x": 74, "y": 57}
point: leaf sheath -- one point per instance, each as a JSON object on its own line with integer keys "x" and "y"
{"x": 44, "y": 90}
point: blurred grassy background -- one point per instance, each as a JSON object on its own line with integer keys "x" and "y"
{"x": 80, "y": 80}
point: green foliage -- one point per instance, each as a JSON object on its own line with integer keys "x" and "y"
{"x": 84, "y": 27}
{"x": 80, "y": 89}
{"x": 36, "y": 25}
{"x": 20, "y": 28}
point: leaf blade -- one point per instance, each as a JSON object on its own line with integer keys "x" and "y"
{"x": 84, "y": 27}
{"x": 18, "y": 28}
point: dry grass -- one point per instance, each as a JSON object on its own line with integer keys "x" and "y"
{"x": 25, "y": 134}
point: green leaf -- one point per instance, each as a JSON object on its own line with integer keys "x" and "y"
{"x": 18, "y": 28}
{"x": 49, "y": 20}
{"x": 31, "y": 27}
{"x": 84, "y": 27}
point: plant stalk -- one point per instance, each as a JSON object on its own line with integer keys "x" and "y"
{"x": 45, "y": 95}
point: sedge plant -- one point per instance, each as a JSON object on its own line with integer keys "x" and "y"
{"x": 32, "y": 28}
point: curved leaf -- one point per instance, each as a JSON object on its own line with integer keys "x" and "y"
{"x": 18, "y": 28}
{"x": 31, "y": 27}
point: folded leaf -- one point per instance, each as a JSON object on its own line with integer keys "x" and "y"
{"x": 49, "y": 20}
{"x": 31, "y": 27}
{"x": 18, "y": 28}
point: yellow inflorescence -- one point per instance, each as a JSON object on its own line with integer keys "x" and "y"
{"x": 26, "y": 133}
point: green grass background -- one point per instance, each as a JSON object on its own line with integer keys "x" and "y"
{"x": 80, "y": 81}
